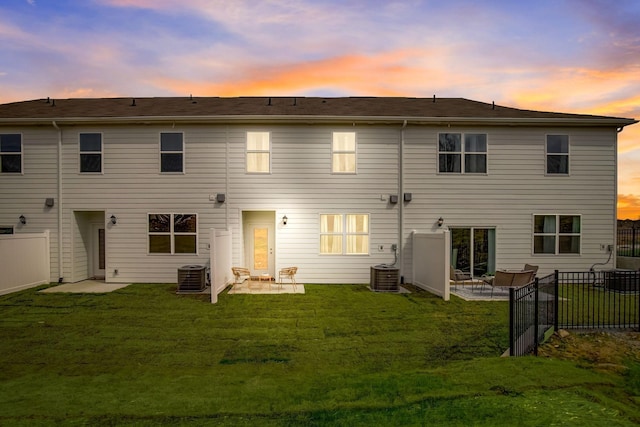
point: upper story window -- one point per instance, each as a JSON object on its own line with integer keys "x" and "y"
{"x": 171, "y": 152}
{"x": 557, "y": 154}
{"x": 344, "y": 234}
{"x": 462, "y": 153}
{"x": 90, "y": 152}
{"x": 556, "y": 234}
{"x": 173, "y": 233}
{"x": 258, "y": 152}
{"x": 11, "y": 153}
{"x": 343, "y": 152}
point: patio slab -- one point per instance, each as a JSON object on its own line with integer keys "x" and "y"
{"x": 86, "y": 286}
{"x": 479, "y": 293}
{"x": 260, "y": 287}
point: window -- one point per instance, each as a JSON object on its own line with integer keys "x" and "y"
{"x": 173, "y": 233}
{"x": 344, "y": 234}
{"x": 171, "y": 152}
{"x": 90, "y": 152}
{"x": 343, "y": 152}
{"x": 456, "y": 157}
{"x": 10, "y": 153}
{"x": 558, "y": 154}
{"x": 258, "y": 152}
{"x": 556, "y": 234}
{"x": 473, "y": 250}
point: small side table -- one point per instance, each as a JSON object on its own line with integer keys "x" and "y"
{"x": 265, "y": 277}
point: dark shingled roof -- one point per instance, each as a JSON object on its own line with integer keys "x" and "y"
{"x": 284, "y": 108}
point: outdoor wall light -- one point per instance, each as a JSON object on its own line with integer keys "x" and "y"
{"x": 284, "y": 220}
{"x": 440, "y": 221}
{"x": 22, "y": 219}
{"x": 113, "y": 219}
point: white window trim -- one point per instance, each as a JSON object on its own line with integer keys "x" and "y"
{"x": 462, "y": 154}
{"x": 344, "y": 233}
{"x": 183, "y": 152}
{"x": 247, "y": 151}
{"x": 21, "y": 153}
{"x": 171, "y": 233}
{"x": 354, "y": 152}
{"x": 547, "y": 154}
{"x": 556, "y": 235}
{"x": 80, "y": 153}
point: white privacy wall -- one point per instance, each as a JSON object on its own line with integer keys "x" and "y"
{"x": 24, "y": 261}
{"x": 431, "y": 260}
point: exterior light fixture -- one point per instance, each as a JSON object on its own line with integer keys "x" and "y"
{"x": 113, "y": 219}
{"x": 22, "y": 219}
{"x": 440, "y": 221}
{"x": 284, "y": 220}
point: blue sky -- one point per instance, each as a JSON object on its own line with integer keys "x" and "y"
{"x": 580, "y": 56}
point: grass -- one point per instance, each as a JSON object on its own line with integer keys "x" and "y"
{"x": 338, "y": 355}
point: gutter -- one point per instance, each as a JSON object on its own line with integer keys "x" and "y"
{"x": 401, "y": 201}
{"x": 60, "y": 260}
{"x": 308, "y": 119}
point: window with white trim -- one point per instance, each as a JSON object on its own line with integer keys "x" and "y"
{"x": 90, "y": 152}
{"x": 344, "y": 234}
{"x": 258, "y": 152}
{"x": 11, "y": 153}
{"x": 343, "y": 152}
{"x": 557, "y": 234}
{"x": 462, "y": 153}
{"x": 557, "y": 152}
{"x": 173, "y": 233}
{"x": 171, "y": 152}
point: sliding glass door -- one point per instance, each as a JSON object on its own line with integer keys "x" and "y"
{"x": 473, "y": 250}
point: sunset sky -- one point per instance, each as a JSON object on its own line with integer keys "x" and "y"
{"x": 575, "y": 56}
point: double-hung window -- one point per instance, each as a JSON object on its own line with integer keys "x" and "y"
{"x": 462, "y": 153}
{"x": 11, "y": 153}
{"x": 557, "y": 154}
{"x": 556, "y": 234}
{"x": 173, "y": 233}
{"x": 91, "y": 152}
{"x": 343, "y": 152}
{"x": 258, "y": 152}
{"x": 171, "y": 152}
{"x": 344, "y": 234}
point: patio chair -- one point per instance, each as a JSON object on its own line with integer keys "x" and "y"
{"x": 529, "y": 267}
{"x": 458, "y": 275}
{"x": 508, "y": 279}
{"x": 240, "y": 272}
{"x": 288, "y": 273}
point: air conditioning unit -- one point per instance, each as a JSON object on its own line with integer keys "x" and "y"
{"x": 384, "y": 279}
{"x": 192, "y": 278}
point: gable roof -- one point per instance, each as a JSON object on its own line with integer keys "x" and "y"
{"x": 305, "y": 109}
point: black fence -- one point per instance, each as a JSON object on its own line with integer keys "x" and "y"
{"x": 532, "y": 315}
{"x": 572, "y": 300}
{"x": 628, "y": 242}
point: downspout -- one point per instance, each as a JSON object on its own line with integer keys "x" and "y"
{"x": 226, "y": 179}
{"x": 60, "y": 263}
{"x": 401, "y": 199}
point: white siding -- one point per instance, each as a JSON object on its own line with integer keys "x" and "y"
{"x": 25, "y": 194}
{"x": 302, "y": 187}
{"x": 514, "y": 189}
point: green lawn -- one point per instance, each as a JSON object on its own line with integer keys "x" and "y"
{"x": 338, "y": 355}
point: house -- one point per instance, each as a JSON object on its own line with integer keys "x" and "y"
{"x": 129, "y": 188}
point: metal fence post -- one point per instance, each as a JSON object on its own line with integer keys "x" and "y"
{"x": 556, "y": 308}
{"x": 536, "y": 318}
{"x": 512, "y": 341}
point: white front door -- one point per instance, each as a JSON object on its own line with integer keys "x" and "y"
{"x": 97, "y": 251}
{"x": 259, "y": 238}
